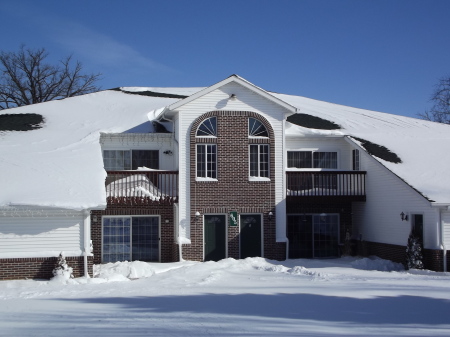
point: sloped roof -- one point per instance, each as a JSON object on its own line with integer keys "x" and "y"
{"x": 60, "y": 164}
{"x": 422, "y": 146}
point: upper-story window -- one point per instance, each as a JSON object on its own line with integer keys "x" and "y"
{"x": 208, "y": 128}
{"x": 355, "y": 160}
{"x": 312, "y": 159}
{"x": 256, "y": 128}
{"x": 207, "y": 161}
{"x": 259, "y": 160}
{"x": 116, "y": 160}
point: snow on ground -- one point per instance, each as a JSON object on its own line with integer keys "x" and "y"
{"x": 251, "y": 297}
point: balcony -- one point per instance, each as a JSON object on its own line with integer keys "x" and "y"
{"x": 141, "y": 187}
{"x": 325, "y": 184}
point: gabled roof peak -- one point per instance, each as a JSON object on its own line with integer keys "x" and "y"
{"x": 239, "y": 80}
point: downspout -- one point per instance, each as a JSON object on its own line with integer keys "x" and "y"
{"x": 444, "y": 249}
{"x": 86, "y": 250}
{"x": 287, "y": 248}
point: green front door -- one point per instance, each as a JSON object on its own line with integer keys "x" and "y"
{"x": 251, "y": 235}
{"x": 215, "y": 237}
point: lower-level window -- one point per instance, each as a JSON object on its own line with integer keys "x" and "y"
{"x": 130, "y": 238}
{"x": 313, "y": 235}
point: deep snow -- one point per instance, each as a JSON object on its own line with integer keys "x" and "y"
{"x": 251, "y": 297}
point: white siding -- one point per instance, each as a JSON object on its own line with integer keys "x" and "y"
{"x": 331, "y": 144}
{"x": 41, "y": 236}
{"x": 246, "y": 100}
{"x": 378, "y": 219}
{"x": 445, "y": 218}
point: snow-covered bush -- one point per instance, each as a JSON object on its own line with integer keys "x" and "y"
{"x": 62, "y": 271}
{"x": 414, "y": 255}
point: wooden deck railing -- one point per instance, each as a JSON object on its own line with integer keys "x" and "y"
{"x": 326, "y": 183}
{"x": 142, "y": 187}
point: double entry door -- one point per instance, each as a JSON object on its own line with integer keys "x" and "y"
{"x": 313, "y": 235}
{"x": 215, "y": 236}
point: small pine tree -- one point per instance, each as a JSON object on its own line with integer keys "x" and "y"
{"x": 414, "y": 255}
{"x": 62, "y": 270}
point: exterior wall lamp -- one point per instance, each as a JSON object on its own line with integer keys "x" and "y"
{"x": 232, "y": 97}
{"x": 270, "y": 216}
{"x": 404, "y": 216}
{"x": 168, "y": 152}
{"x": 197, "y": 214}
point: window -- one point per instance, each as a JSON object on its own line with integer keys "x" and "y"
{"x": 208, "y": 128}
{"x": 115, "y": 160}
{"x": 259, "y": 160}
{"x": 207, "y": 161}
{"x": 130, "y": 238}
{"x": 355, "y": 160}
{"x": 312, "y": 159}
{"x": 256, "y": 128}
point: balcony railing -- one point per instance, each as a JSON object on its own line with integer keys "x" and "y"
{"x": 142, "y": 187}
{"x": 326, "y": 183}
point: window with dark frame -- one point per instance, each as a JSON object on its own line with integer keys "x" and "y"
{"x": 312, "y": 159}
{"x": 207, "y": 161}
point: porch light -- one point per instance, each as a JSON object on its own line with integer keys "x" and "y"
{"x": 270, "y": 215}
{"x": 197, "y": 214}
{"x": 404, "y": 216}
{"x": 232, "y": 97}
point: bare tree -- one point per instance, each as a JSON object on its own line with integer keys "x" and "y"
{"x": 26, "y": 78}
{"x": 440, "y": 111}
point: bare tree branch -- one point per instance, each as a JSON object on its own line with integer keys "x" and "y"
{"x": 26, "y": 79}
{"x": 440, "y": 111}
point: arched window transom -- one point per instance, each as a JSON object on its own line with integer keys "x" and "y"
{"x": 208, "y": 128}
{"x": 256, "y": 128}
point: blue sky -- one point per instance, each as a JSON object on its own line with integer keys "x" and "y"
{"x": 383, "y": 55}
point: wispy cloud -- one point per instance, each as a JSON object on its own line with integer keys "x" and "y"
{"x": 86, "y": 44}
{"x": 103, "y": 49}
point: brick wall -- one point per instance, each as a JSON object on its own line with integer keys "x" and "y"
{"x": 40, "y": 267}
{"x": 432, "y": 258}
{"x": 169, "y": 251}
{"x": 232, "y": 191}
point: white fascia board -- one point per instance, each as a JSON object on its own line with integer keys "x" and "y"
{"x": 233, "y": 78}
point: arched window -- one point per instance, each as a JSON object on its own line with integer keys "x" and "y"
{"x": 208, "y": 128}
{"x": 256, "y": 128}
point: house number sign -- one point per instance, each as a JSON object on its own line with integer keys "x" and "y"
{"x": 233, "y": 219}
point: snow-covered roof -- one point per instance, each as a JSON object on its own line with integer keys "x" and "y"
{"x": 422, "y": 146}
{"x": 60, "y": 164}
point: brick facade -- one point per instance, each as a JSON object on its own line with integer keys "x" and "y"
{"x": 40, "y": 267}
{"x": 232, "y": 191}
{"x": 169, "y": 251}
